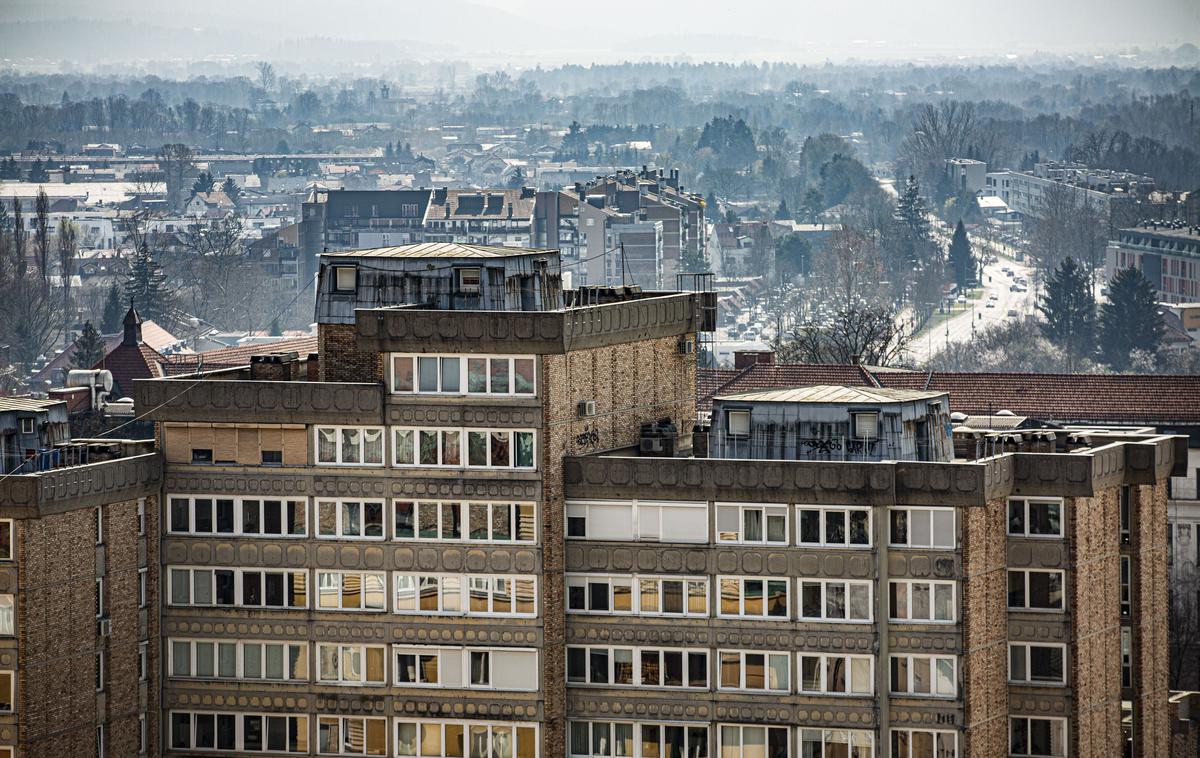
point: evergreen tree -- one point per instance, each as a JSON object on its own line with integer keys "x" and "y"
{"x": 89, "y": 348}
{"x": 712, "y": 208}
{"x": 147, "y": 287}
{"x": 389, "y": 152}
{"x": 813, "y": 206}
{"x": 274, "y": 330}
{"x": 231, "y": 190}
{"x": 203, "y": 184}
{"x": 693, "y": 262}
{"x": 114, "y": 311}
{"x": 38, "y": 173}
{"x": 782, "y": 213}
{"x": 1070, "y": 311}
{"x": 1130, "y": 320}
{"x": 961, "y": 259}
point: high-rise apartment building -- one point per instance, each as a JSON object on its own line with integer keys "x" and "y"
{"x": 79, "y": 600}
{"x": 485, "y": 521}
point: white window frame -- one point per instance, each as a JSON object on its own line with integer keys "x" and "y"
{"x": 767, "y": 669}
{"x": 848, "y": 665}
{"x": 636, "y": 731}
{"x": 766, "y": 509}
{"x": 100, "y": 597}
{"x": 240, "y": 506}
{"x": 740, "y": 750}
{"x": 8, "y": 615}
{"x": 1061, "y": 722}
{"x": 824, "y": 511}
{"x": 464, "y": 452}
{"x": 339, "y": 506}
{"x": 339, "y": 284}
{"x": 848, "y": 584}
{"x": 463, "y": 358}
{"x": 404, "y": 581}
{"x": 141, "y": 522}
{"x": 908, "y": 603}
{"x": 344, "y": 727}
{"x": 1026, "y": 572}
{"x": 285, "y": 652}
{"x": 513, "y": 727}
{"x": 237, "y": 587}
{"x": 339, "y": 677}
{"x": 935, "y": 735}
{"x": 933, "y": 545}
{"x": 934, "y": 677}
{"x": 99, "y": 524}
{"x": 856, "y": 738}
{"x": 143, "y": 576}
{"x": 1025, "y": 677}
{"x": 338, "y": 452}
{"x": 766, "y": 582}
{"x": 143, "y": 660}
{"x": 239, "y": 730}
{"x": 464, "y": 508}
{"x": 1026, "y": 502}
{"x": 101, "y": 679}
{"x": 323, "y": 576}
{"x": 641, "y": 530}
{"x": 463, "y": 653}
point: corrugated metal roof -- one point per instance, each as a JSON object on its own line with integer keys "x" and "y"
{"x": 26, "y": 403}
{"x": 440, "y": 250}
{"x": 831, "y": 393}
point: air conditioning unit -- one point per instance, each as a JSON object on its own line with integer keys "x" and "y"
{"x": 687, "y": 346}
{"x": 652, "y": 445}
{"x": 104, "y": 627}
{"x": 587, "y": 408}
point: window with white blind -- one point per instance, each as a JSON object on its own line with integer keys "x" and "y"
{"x": 636, "y": 739}
{"x": 931, "y": 528}
{"x": 637, "y": 520}
{"x": 924, "y": 675}
{"x": 465, "y": 594}
{"x": 755, "y": 670}
{"x": 438, "y": 738}
{"x": 616, "y": 666}
{"x": 915, "y": 600}
{"x": 483, "y": 668}
{"x": 255, "y": 660}
{"x": 836, "y": 674}
{"x": 349, "y": 445}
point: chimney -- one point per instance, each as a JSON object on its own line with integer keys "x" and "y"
{"x": 275, "y": 367}
{"x": 312, "y": 367}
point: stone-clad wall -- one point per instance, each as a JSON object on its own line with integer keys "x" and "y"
{"x": 1093, "y": 603}
{"x": 1151, "y": 674}
{"x": 631, "y": 383}
{"x": 985, "y": 629}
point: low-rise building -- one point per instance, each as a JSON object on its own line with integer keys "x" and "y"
{"x": 1169, "y": 256}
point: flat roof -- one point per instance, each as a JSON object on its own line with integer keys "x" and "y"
{"x": 1163, "y": 231}
{"x": 440, "y": 250}
{"x": 833, "y": 393}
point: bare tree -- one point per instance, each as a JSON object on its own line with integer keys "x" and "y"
{"x": 216, "y": 267}
{"x": 266, "y": 75}
{"x": 1184, "y": 630}
{"x": 18, "y": 238}
{"x": 867, "y": 334}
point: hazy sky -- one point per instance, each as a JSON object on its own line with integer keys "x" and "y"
{"x": 550, "y": 31}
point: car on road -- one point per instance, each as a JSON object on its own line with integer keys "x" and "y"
{"x": 990, "y": 304}
{"x": 1012, "y": 313}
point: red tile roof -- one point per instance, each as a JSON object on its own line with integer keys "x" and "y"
{"x": 129, "y": 362}
{"x": 232, "y": 357}
{"x": 1085, "y": 398}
